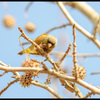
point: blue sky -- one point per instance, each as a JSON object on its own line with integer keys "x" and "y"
{"x": 45, "y": 15}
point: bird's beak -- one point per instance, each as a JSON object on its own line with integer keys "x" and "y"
{"x": 49, "y": 45}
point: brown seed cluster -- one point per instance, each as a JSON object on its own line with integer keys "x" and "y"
{"x": 26, "y": 80}
{"x": 30, "y": 27}
{"x": 80, "y": 71}
{"x": 30, "y": 63}
{"x": 9, "y": 21}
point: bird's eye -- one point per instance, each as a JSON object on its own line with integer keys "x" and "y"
{"x": 50, "y": 42}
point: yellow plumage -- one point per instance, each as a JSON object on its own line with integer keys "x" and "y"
{"x": 45, "y": 41}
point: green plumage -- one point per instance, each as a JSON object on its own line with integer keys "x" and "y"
{"x": 43, "y": 41}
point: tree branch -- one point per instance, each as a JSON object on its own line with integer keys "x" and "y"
{"x": 36, "y": 83}
{"x": 65, "y": 54}
{"x": 9, "y": 84}
{"x": 82, "y": 30}
{"x": 59, "y": 54}
{"x": 86, "y": 10}
{"x": 64, "y": 25}
{"x": 52, "y": 72}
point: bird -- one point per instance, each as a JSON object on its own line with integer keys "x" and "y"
{"x": 46, "y": 41}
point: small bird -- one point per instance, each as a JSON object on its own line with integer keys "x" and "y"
{"x": 45, "y": 41}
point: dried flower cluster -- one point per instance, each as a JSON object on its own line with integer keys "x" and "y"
{"x": 81, "y": 73}
{"x": 26, "y": 80}
{"x": 30, "y": 63}
{"x": 9, "y": 21}
{"x": 30, "y": 27}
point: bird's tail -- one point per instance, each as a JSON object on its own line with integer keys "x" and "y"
{"x": 28, "y": 50}
{"x": 21, "y": 52}
{"x": 24, "y": 51}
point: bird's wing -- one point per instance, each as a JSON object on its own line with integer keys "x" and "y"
{"x": 38, "y": 41}
{"x": 40, "y": 38}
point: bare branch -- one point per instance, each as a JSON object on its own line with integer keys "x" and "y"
{"x": 27, "y": 8}
{"x": 52, "y": 72}
{"x": 3, "y": 64}
{"x": 3, "y": 73}
{"x": 60, "y": 61}
{"x": 74, "y": 51}
{"x": 59, "y": 54}
{"x": 36, "y": 83}
{"x": 96, "y": 28}
{"x": 87, "y": 10}
{"x": 89, "y": 94}
{"x": 9, "y": 84}
{"x": 57, "y": 27}
{"x": 82, "y": 30}
{"x": 95, "y": 73}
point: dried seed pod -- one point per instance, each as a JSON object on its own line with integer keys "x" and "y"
{"x": 30, "y": 27}
{"x": 80, "y": 71}
{"x": 30, "y": 63}
{"x": 9, "y": 21}
{"x": 26, "y": 80}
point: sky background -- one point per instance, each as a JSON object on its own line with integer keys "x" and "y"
{"x": 45, "y": 15}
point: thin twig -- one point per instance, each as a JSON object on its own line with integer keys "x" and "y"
{"x": 64, "y": 25}
{"x": 36, "y": 83}
{"x": 48, "y": 79}
{"x": 20, "y": 42}
{"x": 27, "y": 8}
{"x": 95, "y": 73}
{"x": 3, "y": 73}
{"x": 22, "y": 46}
{"x": 60, "y": 61}
{"x": 89, "y": 94}
{"x": 3, "y": 64}
{"x": 9, "y": 84}
{"x": 24, "y": 43}
{"x": 96, "y": 28}
{"x": 6, "y": 7}
{"x": 74, "y": 51}
{"x": 59, "y": 54}
{"x": 74, "y": 46}
{"x": 78, "y": 92}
